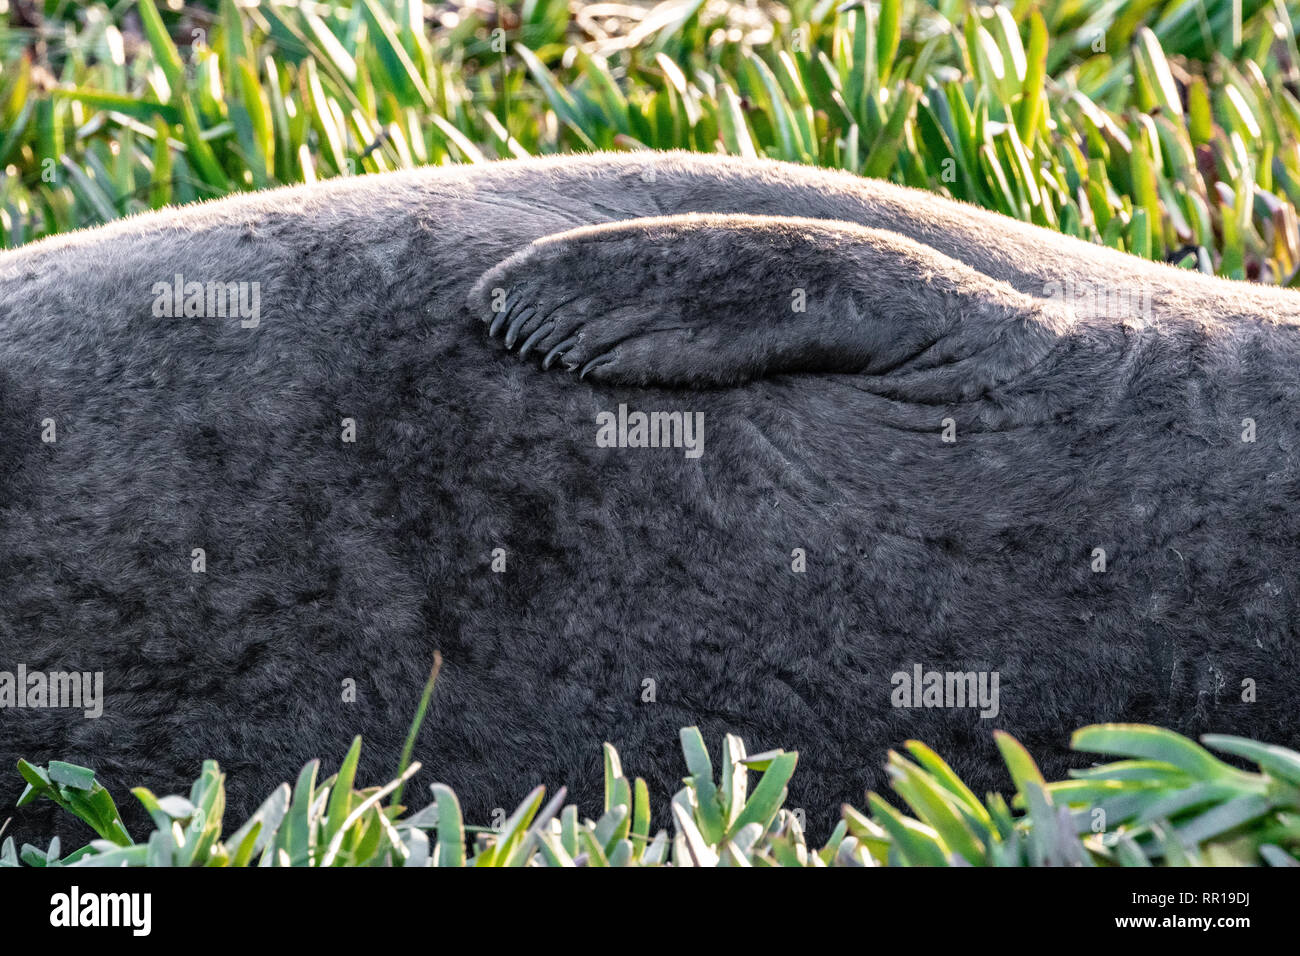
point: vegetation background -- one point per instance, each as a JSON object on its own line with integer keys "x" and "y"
{"x": 1167, "y": 129}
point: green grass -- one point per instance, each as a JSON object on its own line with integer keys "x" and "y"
{"x": 1171, "y": 130}
{"x": 1168, "y": 801}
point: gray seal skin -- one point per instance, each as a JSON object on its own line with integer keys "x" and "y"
{"x": 832, "y": 332}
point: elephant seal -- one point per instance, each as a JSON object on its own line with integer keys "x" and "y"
{"x": 635, "y": 441}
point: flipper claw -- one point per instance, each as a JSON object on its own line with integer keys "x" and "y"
{"x": 517, "y": 323}
{"x": 559, "y": 350}
{"x": 542, "y": 331}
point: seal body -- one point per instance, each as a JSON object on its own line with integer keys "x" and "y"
{"x": 258, "y": 528}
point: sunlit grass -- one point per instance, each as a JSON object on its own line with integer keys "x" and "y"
{"x": 1168, "y": 802}
{"x": 1171, "y": 130}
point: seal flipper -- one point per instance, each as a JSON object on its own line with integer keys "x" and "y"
{"x": 715, "y": 300}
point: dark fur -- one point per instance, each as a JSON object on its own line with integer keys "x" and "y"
{"x": 328, "y": 561}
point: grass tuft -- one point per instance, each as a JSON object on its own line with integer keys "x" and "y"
{"x": 1168, "y": 802}
{"x": 1170, "y": 130}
